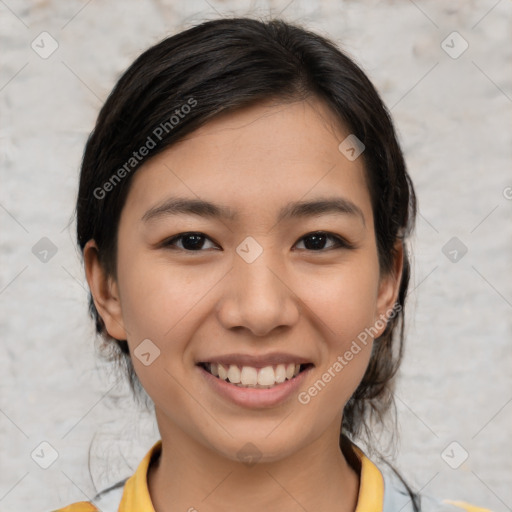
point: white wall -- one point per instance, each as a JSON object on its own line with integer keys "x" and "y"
{"x": 453, "y": 116}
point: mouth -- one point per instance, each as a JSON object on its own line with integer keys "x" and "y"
{"x": 251, "y": 377}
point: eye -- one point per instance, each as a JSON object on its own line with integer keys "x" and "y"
{"x": 194, "y": 241}
{"x": 190, "y": 241}
{"x": 317, "y": 241}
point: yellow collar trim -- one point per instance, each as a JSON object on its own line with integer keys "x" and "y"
{"x": 371, "y": 485}
{"x": 136, "y": 493}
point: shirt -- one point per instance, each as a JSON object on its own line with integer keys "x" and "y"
{"x": 378, "y": 492}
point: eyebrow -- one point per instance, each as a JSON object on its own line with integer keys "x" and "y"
{"x": 201, "y": 208}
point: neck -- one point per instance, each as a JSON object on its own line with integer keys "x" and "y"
{"x": 188, "y": 476}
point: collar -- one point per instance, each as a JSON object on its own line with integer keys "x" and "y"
{"x": 136, "y": 494}
{"x": 371, "y": 485}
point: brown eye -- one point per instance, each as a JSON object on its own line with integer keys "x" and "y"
{"x": 316, "y": 241}
{"x": 193, "y": 242}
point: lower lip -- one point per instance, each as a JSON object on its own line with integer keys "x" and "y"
{"x": 256, "y": 397}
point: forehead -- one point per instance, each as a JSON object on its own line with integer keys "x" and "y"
{"x": 255, "y": 159}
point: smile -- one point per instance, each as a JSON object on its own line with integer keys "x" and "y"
{"x": 250, "y": 377}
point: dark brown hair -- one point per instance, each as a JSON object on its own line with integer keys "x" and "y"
{"x": 220, "y": 66}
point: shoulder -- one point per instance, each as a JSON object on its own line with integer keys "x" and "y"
{"x": 396, "y": 497}
{"x": 128, "y": 494}
{"x": 106, "y": 501}
{"x": 81, "y": 506}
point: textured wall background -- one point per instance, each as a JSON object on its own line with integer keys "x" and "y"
{"x": 452, "y": 107}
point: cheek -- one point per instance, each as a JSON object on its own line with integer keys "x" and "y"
{"x": 345, "y": 299}
{"x": 345, "y": 302}
{"x": 157, "y": 304}
{"x": 346, "y": 309}
{"x": 158, "y": 300}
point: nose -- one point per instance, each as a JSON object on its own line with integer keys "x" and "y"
{"x": 257, "y": 297}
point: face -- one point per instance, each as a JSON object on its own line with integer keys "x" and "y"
{"x": 259, "y": 279}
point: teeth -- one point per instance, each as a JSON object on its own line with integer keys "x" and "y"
{"x": 234, "y": 374}
{"x": 247, "y": 376}
{"x": 280, "y": 373}
{"x": 266, "y": 376}
{"x": 223, "y": 374}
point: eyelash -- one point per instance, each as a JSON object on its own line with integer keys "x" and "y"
{"x": 341, "y": 243}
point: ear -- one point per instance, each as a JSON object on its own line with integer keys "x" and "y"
{"x": 389, "y": 286}
{"x": 104, "y": 291}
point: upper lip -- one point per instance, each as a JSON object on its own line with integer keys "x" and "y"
{"x": 256, "y": 361}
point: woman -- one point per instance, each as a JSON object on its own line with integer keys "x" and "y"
{"x": 243, "y": 213}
